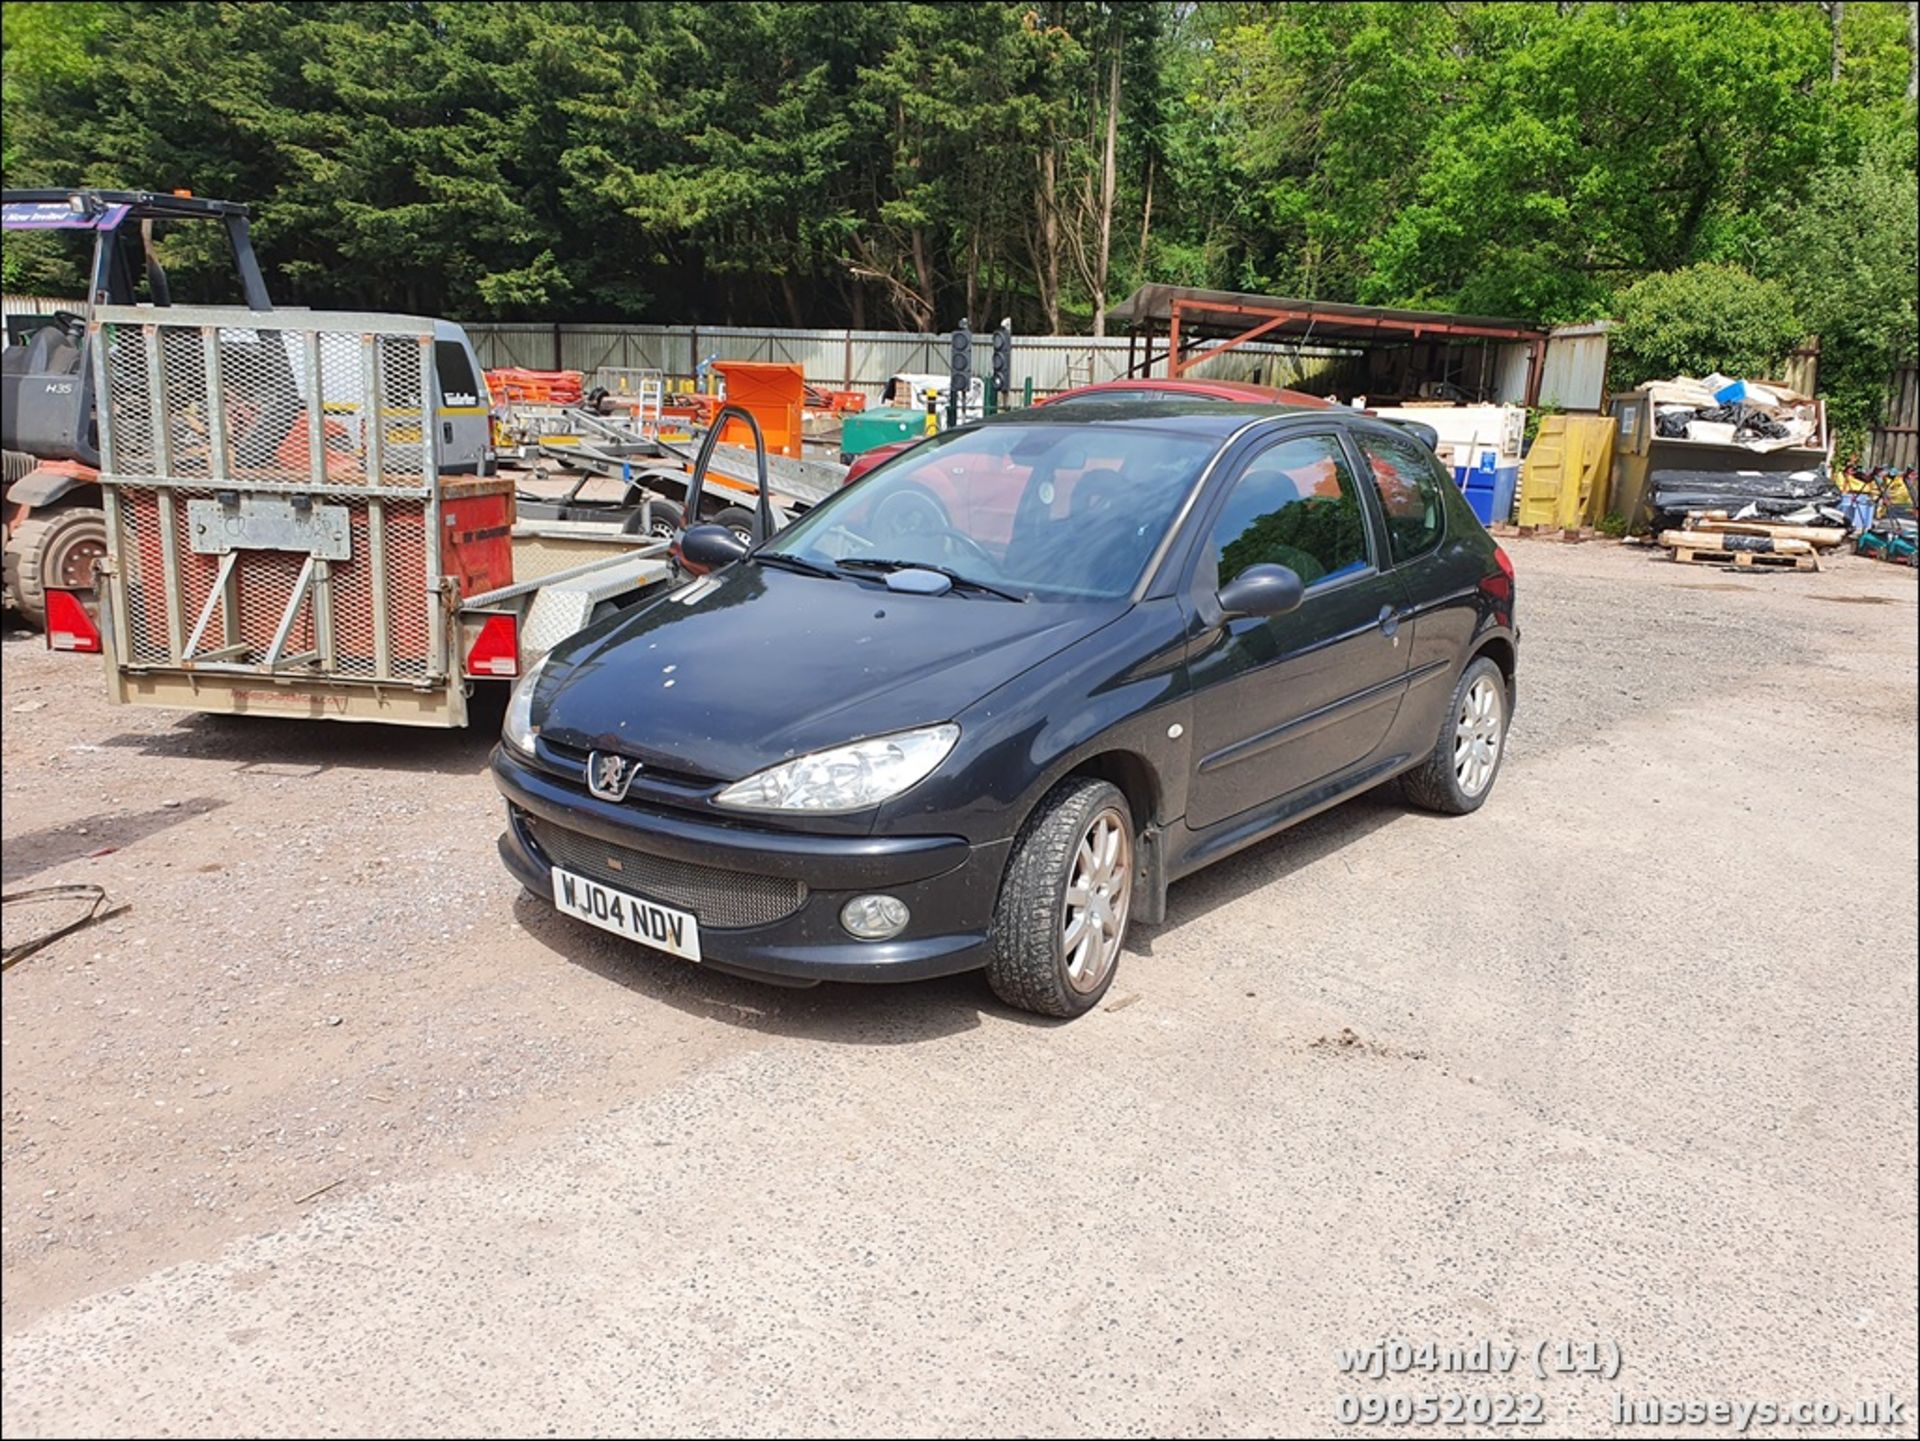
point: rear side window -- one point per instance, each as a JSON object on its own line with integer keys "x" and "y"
{"x": 1409, "y": 481}
{"x": 457, "y": 383}
{"x": 1295, "y": 505}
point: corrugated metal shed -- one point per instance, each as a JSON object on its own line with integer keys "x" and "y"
{"x": 1573, "y": 376}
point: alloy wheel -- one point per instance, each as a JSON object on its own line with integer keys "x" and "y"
{"x": 1099, "y": 889}
{"x": 1477, "y": 736}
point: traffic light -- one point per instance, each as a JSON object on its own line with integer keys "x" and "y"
{"x": 1003, "y": 362}
{"x": 961, "y": 370}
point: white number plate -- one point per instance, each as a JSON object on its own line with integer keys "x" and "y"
{"x": 661, "y": 927}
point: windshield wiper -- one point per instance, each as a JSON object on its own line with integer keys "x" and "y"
{"x": 967, "y": 582}
{"x": 799, "y": 563}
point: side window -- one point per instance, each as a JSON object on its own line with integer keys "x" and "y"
{"x": 457, "y": 383}
{"x": 1295, "y": 505}
{"x": 1409, "y": 483}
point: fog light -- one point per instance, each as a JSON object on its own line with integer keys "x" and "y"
{"x": 874, "y": 918}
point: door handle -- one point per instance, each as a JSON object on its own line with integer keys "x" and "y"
{"x": 446, "y": 431}
{"x": 1389, "y": 620}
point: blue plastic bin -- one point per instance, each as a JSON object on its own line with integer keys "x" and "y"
{"x": 1489, "y": 487}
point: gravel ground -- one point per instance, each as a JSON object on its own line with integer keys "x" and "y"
{"x": 334, "y": 1132}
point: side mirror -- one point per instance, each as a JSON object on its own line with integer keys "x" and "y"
{"x": 1264, "y": 590}
{"x": 705, "y": 548}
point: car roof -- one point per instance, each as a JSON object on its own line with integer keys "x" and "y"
{"x": 1190, "y": 414}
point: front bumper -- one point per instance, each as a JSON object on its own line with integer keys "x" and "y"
{"x": 948, "y": 884}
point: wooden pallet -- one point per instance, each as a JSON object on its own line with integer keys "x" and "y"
{"x": 1570, "y": 534}
{"x": 1743, "y": 559}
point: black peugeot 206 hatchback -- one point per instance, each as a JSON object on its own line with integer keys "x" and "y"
{"x": 980, "y": 708}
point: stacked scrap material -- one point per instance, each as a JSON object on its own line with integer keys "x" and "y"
{"x": 1747, "y": 494}
{"x": 1746, "y": 539}
{"x": 1723, "y": 411}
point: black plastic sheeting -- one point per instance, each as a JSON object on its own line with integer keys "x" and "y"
{"x": 1671, "y": 423}
{"x": 1775, "y": 493}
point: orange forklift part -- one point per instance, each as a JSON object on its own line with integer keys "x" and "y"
{"x": 774, "y": 394}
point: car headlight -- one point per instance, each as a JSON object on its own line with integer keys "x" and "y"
{"x": 846, "y": 778}
{"x": 518, "y": 728}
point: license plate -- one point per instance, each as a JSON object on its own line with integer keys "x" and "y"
{"x": 647, "y": 922}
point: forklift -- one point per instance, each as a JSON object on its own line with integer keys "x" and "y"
{"x": 56, "y": 530}
{"x": 55, "y": 524}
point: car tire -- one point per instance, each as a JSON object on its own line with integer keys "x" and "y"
{"x": 57, "y": 548}
{"x": 1031, "y": 964}
{"x": 1458, "y": 777}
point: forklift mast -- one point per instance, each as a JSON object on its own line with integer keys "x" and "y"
{"x": 48, "y": 381}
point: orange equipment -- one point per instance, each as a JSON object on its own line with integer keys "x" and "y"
{"x": 534, "y": 387}
{"x": 835, "y": 402}
{"x": 774, "y": 394}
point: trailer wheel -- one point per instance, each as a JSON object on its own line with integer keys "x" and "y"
{"x": 55, "y": 548}
{"x": 666, "y": 521}
{"x": 738, "y": 519}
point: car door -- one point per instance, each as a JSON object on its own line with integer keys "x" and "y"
{"x": 1436, "y": 563}
{"x": 1282, "y": 703}
{"x": 462, "y": 412}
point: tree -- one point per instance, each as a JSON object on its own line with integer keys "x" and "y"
{"x": 1599, "y": 149}
{"x": 1701, "y": 319}
{"x": 906, "y": 164}
{"x": 1848, "y": 252}
{"x": 46, "y": 45}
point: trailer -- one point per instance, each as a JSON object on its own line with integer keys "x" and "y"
{"x": 284, "y": 537}
{"x": 655, "y": 475}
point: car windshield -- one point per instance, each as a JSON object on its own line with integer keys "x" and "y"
{"x": 1059, "y": 511}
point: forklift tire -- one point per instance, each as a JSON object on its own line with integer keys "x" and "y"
{"x": 58, "y": 548}
{"x": 736, "y": 518}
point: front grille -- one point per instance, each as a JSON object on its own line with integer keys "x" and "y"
{"x": 721, "y": 898}
{"x": 570, "y": 762}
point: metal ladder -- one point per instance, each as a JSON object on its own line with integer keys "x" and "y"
{"x": 653, "y": 394}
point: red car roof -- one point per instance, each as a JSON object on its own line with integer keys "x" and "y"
{"x": 1238, "y": 390}
{"x": 1234, "y": 390}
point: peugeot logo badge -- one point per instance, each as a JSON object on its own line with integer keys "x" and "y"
{"x": 609, "y": 775}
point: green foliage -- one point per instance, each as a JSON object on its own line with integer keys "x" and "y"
{"x": 1702, "y": 319}
{"x": 891, "y": 163}
{"x": 1849, "y": 250}
{"x": 45, "y": 45}
{"x": 1535, "y": 415}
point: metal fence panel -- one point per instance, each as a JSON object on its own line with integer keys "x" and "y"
{"x": 12, "y": 305}
{"x": 860, "y": 359}
{"x": 1573, "y": 370}
{"x": 1573, "y": 373}
{"x": 1895, "y": 441}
